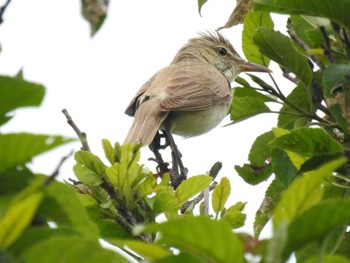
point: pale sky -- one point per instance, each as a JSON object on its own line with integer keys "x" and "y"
{"x": 95, "y": 78}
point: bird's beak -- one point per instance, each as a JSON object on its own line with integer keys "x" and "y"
{"x": 248, "y": 66}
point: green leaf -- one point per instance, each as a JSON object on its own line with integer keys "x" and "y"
{"x": 90, "y": 161}
{"x": 20, "y": 213}
{"x": 325, "y": 8}
{"x": 260, "y": 151}
{"x": 306, "y": 229}
{"x": 200, "y": 5}
{"x": 95, "y": 12}
{"x": 253, "y": 175}
{"x": 208, "y": 240}
{"x": 86, "y": 176}
{"x": 252, "y": 21}
{"x": 305, "y": 192}
{"x": 234, "y": 215}
{"x": 307, "y": 142}
{"x": 328, "y": 259}
{"x": 109, "y": 151}
{"x": 192, "y": 186}
{"x": 70, "y": 249}
{"x": 281, "y": 49}
{"x": 265, "y": 211}
{"x": 63, "y": 206}
{"x": 220, "y": 195}
{"x": 283, "y": 166}
{"x": 239, "y": 13}
{"x": 336, "y": 89}
{"x": 16, "y": 93}
{"x": 146, "y": 250}
{"x": 19, "y": 148}
{"x": 308, "y": 29}
{"x": 246, "y": 106}
{"x": 289, "y": 118}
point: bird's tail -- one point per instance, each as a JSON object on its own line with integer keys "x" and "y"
{"x": 147, "y": 121}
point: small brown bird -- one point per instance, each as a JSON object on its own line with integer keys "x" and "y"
{"x": 192, "y": 95}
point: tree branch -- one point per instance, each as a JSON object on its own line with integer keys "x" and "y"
{"x": 2, "y": 10}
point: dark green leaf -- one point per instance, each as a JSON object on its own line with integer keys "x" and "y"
{"x": 15, "y": 179}
{"x": 16, "y": 93}
{"x": 253, "y": 21}
{"x": 264, "y": 213}
{"x": 289, "y": 118}
{"x": 328, "y": 259}
{"x": 336, "y": 11}
{"x": 283, "y": 167}
{"x": 281, "y": 49}
{"x": 253, "y": 175}
{"x": 260, "y": 151}
{"x": 307, "y": 142}
{"x": 245, "y": 107}
{"x": 19, "y": 148}
{"x": 208, "y": 240}
{"x": 336, "y": 89}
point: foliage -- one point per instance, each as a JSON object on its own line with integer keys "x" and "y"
{"x": 305, "y": 157}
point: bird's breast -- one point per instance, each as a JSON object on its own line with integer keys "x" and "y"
{"x": 194, "y": 123}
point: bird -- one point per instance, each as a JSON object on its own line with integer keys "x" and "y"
{"x": 191, "y": 95}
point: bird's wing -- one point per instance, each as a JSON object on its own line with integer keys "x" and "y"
{"x": 133, "y": 105}
{"x": 188, "y": 90}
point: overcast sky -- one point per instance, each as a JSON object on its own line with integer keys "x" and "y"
{"x": 95, "y": 78}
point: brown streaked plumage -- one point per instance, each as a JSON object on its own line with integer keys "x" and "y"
{"x": 191, "y": 95}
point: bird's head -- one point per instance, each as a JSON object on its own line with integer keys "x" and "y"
{"x": 215, "y": 49}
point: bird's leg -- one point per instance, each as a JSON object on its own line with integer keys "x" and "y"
{"x": 176, "y": 176}
{"x": 162, "y": 167}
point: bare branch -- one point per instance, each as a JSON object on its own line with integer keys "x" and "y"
{"x": 57, "y": 170}
{"x": 2, "y": 10}
{"x": 81, "y": 135}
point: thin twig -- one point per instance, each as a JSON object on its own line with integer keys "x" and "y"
{"x": 57, "y": 170}
{"x": 81, "y": 135}
{"x": 327, "y": 48}
{"x": 2, "y": 10}
{"x": 197, "y": 199}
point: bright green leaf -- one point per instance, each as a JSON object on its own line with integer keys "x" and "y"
{"x": 234, "y": 215}
{"x": 305, "y": 192}
{"x": 220, "y": 195}
{"x": 252, "y": 21}
{"x": 304, "y": 229}
{"x": 328, "y": 259}
{"x": 90, "y": 161}
{"x": 70, "y": 249}
{"x": 19, "y": 148}
{"x": 86, "y": 176}
{"x": 208, "y": 240}
{"x": 192, "y": 186}
{"x": 109, "y": 151}
{"x": 20, "y": 213}
{"x": 200, "y": 5}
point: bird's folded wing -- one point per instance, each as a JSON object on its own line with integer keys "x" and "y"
{"x": 187, "y": 90}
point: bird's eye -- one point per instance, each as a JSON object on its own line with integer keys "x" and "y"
{"x": 222, "y": 51}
